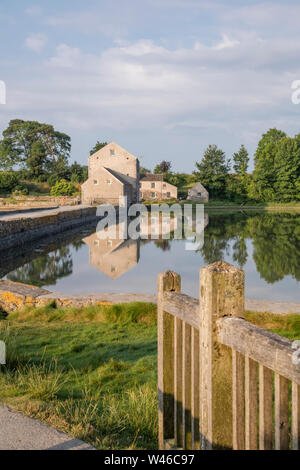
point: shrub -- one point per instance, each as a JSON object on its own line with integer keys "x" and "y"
{"x": 8, "y": 181}
{"x": 21, "y": 190}
{"x": 63, "y": 188}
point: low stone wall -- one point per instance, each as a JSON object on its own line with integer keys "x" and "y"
{"x": 37, "y": 202}
{"x": 14, "y": 296}
{"x": 24, "y": 229}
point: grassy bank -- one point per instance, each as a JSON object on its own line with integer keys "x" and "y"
{"x": 92, "y": 372}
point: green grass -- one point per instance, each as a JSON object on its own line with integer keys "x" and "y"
{"x": 91, "y": 372}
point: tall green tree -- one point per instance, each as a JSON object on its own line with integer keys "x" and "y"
{"x": 79, "y": 173}
{"x": 36, "y": 161}
{"x": 241, "y": 161}
{"x": 287, "y": 169}
{"x": 22, "y": 144}
{"x": 98, "y": 146}
{"x": 212, "y": 170}
{"x": 265, "y": 171}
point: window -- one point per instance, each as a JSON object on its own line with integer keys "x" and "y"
{"x": 199, "y": 194}
{"x": 164, "y": 186}
{"x": 168, "y": 195}
{"x": 108, "y": 182}
{"x": 96, "y": 242}
{"x": 95, "y": 181}
{"x": 112, "y": 153}
{"x": 152, "y": 194}
{"x": 153, "y": 185}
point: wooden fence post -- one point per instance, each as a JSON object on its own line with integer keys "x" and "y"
{"x": 221, "y": 294}
{"x": 168, "y": 281}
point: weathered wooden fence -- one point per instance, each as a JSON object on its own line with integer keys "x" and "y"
{"x": 223, "y": 382}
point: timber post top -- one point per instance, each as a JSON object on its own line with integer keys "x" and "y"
{"x": 222, "y": 267}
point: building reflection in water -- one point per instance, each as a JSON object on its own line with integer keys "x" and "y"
{"x": 115, "y": 256}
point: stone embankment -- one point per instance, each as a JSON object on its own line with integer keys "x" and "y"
{"x": 16, "y": 230}
{"x": 14, "y": 296}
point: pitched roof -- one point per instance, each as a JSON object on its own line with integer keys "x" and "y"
{"x": 115, "y": 146}
{"x": 199, "y": 187}
{"x": 150, "y": 177}
{"x": 117, "y": 175}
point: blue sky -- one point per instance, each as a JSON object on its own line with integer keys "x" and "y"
{"x": 163, "y": 78}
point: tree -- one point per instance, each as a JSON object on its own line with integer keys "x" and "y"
{"x": 22, "y": 146}
{"x": 241, "y": 161}
{"x": 36, "y": 161}
{"x": 144, "y": 171}
{"x": 265, "y": 171}
{"x": 163, "y": 167}
{"x": 287, "y": 169}
{"x": 98, "y": 146}
{"x": 177, "y": 179}
{"x": 9, "y": 156}
{"x": 212, "y": 170}
{"x": 79, "y": 173}
{"x": 58, "y": 170}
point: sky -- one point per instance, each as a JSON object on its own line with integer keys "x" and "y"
{"x": 162, "y": 78}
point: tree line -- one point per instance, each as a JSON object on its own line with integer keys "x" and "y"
{"x": 35, "y": 151}
{"x": 276, "y": 175}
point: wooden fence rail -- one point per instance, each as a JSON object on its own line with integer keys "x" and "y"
{"x": 223, "y": 382}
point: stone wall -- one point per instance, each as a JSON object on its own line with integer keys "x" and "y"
{"x": 37, "y": 202}
{"x": 16, "y": 232}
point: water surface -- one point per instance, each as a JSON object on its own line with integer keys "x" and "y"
{"x": 265, "y": 245}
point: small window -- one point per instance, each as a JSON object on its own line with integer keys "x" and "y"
{"x": 112, "y": 153}
{"x": 152, "y": 194}
{"x": 95, "y": 181}
{"x": 109, "y": 242}
{"x": 96, "y": 242}
{"x": 113, "y": 269}
{"x": 152, "y": 185}
{"x": 164, "y": 186}
{"x": 199, "y": 194}
{"x": 168, "y": 195}
{"x": 108, "y": 182}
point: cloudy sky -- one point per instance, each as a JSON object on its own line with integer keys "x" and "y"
{"x": 163, "y": 78}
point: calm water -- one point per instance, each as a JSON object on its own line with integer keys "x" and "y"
{"x": 265, "y": 245}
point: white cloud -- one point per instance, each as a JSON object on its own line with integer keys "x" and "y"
{"x": 226, "y": 42}
{"x": 36, "y": 42}
{"x": 144, "y": 83}
{"x": 234, "y": 89}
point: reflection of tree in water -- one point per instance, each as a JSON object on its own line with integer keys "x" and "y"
{"x": 164, "y": 245}
{"x": 78, "y": 244}
{"x": 275, "y": 236}
{"x": 276, "y": 240}
{"x": 240, "y": 254}
{"x": 218, "y": 233}
{"x": 45, "y": 270}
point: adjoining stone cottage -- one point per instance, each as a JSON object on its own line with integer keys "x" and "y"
{"x": 153, "y": 187}
{"x": 198, "y": 193}
{"x": 113, "y": 173}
